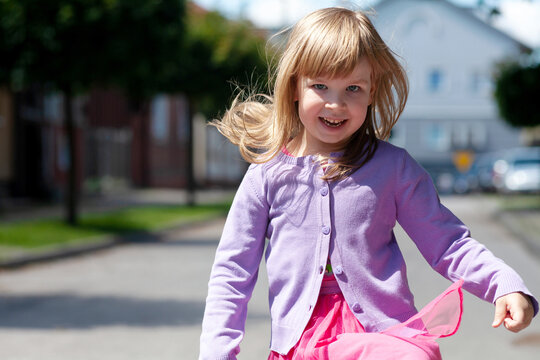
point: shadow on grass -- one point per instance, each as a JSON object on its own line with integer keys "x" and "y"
{"x": 153, "y": 238}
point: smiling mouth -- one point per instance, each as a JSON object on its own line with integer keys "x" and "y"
{"x": 332, "y": 122}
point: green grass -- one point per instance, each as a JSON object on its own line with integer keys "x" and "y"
{"x": 38, "y": 233}
{"x": 529, "y": 202}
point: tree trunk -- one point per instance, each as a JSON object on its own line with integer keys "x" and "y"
{"x": 190, "y": 173}
{"x": 71, "y": 184}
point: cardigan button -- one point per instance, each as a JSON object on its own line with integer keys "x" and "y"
{"x": 326, "y": 230}
{"x": 324, "y": 191}
{"x": 356, "y": 308}
{"x": 338, "y": 270}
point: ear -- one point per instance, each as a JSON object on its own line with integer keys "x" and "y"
{"x": 295, "y": 89}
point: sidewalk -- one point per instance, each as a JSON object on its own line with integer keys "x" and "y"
{"x": 12, "y": 258}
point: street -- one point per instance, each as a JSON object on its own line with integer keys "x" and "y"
{"x": 145, "y": 300}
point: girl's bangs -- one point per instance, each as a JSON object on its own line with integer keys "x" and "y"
{"x": 331, "y": 52}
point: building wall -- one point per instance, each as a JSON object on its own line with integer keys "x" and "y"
{"x": 450, "y": 57}
{"x": 108, "y": 141}
{"x": 169, "y": 135}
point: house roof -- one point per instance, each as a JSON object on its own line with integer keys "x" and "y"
{"x": 466, "y": 13}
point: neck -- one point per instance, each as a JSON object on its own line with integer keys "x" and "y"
{"x": 299, "y": 146}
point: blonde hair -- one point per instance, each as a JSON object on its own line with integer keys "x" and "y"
{"x": 327, "y": 42}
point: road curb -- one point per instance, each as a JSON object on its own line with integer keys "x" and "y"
{"x": 102, "y": 243}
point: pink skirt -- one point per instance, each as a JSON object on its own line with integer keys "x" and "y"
{"x": 333, "y": 332}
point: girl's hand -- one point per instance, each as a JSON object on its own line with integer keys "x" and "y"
{"x": 515, "y": 310}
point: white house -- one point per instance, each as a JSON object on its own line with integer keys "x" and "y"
{"x": 449, "y": 55}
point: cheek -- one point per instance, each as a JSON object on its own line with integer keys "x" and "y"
{"x": 307, "y": 103}
{"x": 303, "y": 114}
{"x": 361, "y": 110}
{"x": 364, "y": 102}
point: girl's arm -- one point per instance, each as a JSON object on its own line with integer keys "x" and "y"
{"x": 447, "y": 245}
{"x": 234, "y": 272}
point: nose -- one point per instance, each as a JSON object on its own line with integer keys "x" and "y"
{"x": 334, "y": 100}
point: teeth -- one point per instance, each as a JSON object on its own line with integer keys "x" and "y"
{"x": 332, "y": 123}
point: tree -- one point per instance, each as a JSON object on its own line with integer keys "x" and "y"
{"x": 218, "y": 53}
{"x": 516, "y": 93}
{"x": 73, "y": 45}
{"x": 222, "y": 54}
{"x": 140, "y": 46}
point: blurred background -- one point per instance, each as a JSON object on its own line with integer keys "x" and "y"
{"x": 106, "y": 96}
{"x": 104, "y": 106}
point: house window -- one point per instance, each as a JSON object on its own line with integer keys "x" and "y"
{"x": 480, "y": 83}
{"x": 160, "y": 118}
{"x": 479, "y": 135}
{"x": 52, "y": 107}
{"x": 460, "y": 136}
{"x": 435, "y": 80}
{"x": 436, "y": 137}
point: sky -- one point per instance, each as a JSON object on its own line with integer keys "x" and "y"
{"x": 519, "y": 18}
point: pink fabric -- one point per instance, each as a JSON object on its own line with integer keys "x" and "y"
{"x": 286, "y": 152}
{"x": 333, "y": 332}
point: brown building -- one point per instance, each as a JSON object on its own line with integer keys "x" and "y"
{"x": 117, "y": 146}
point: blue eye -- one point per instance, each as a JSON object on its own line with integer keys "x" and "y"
{"x": 353, "y": 88}
{"x": 319, "y": 86}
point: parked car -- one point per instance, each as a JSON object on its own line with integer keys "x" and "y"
{"x": 479, "y": 177}
{"x": 518, "y": 170}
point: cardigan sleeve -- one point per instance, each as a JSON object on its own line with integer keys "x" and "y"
{"x": 445, "y": 242}
{"x": 235, "y": 269}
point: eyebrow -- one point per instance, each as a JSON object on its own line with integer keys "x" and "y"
{"x": 361, "y": 80}
{"x": 354, "y": 81}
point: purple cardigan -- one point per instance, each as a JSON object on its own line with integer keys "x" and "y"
{"x": 306, "y": 220}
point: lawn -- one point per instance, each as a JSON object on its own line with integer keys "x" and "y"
{"x": 521, "y": 202}
{"x": 38, "y": 233}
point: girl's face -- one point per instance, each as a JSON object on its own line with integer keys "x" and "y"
{"x": 332, "y": 110}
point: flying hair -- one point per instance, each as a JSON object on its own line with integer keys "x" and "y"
{"x": 328, "y": 42}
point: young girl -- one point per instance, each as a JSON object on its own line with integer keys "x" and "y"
{"x": 324, "y": 193}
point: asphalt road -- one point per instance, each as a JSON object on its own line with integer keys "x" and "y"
{"x": 146, "y": 300}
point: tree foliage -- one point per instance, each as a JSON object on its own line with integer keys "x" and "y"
{"x": 222, "y": 54}
{"x": 516, "y": 93}
{"x": 140, "y": 46}
{"x": 83, "y": 43}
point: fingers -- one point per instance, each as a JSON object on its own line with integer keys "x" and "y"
{"x": 514, "y": 310}
{"x": 501, "y": 312}
{"x": 516, "y": 322}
